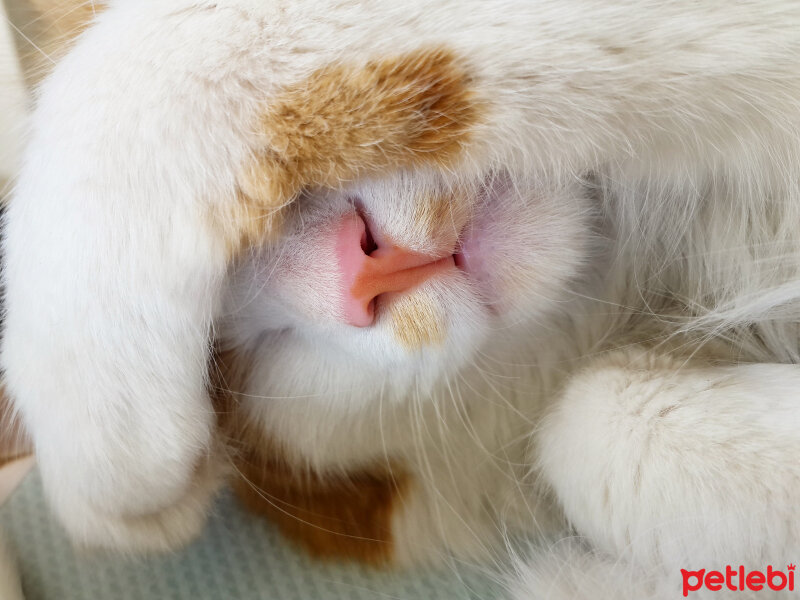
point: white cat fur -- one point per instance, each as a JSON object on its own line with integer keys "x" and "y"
{"x": 687, "y": 115}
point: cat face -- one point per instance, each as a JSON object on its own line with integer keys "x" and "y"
{"x": 397, "y": 283}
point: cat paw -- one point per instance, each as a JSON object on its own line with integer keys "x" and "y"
{"x": 665, "y": 461}
{"x": 146, "y": 531}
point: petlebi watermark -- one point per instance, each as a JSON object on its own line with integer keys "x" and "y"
{"x": 739, "y": 579}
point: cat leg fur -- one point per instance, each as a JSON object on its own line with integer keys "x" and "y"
{"x": 662, "y": 463}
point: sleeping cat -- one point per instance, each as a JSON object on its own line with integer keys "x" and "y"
{"x": 450, "y": 273}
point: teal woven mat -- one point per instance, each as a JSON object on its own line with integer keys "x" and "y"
{"x": 239, "y": 557}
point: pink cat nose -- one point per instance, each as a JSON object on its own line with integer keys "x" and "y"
{"x": 369, "y": 269}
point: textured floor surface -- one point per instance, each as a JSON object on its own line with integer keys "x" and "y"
{"x": 238, "y": 557}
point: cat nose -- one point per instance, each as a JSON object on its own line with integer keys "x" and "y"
{"x": 368, "y": 269}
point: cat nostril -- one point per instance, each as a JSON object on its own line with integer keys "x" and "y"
{"x": 368, "y": 244}
{"x": 369, "y": 267}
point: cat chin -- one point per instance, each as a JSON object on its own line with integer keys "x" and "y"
{"x": 353, "y": 366}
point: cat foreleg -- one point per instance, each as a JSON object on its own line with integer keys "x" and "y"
{"x": 670, "y": 464}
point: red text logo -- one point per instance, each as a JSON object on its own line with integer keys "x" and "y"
{"x": 738, "y": 579}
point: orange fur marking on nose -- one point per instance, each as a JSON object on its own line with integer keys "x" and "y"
{"x": 417, "y": 321}
{"x": 341, "y": 516}
{"x": 347, "y": 121}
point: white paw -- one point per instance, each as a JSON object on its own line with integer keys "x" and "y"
{"x": 666, "y": 462}
{"x": 161, "y": 530}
